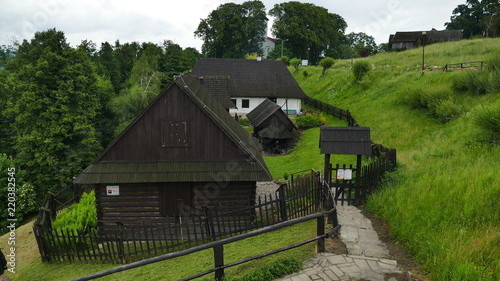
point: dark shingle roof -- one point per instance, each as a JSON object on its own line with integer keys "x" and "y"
{"x": 345, "y": 140}
{"x": 263, "y": 111}
{"x": 252, "y": 169}
{"x": 252, "y": 78}
{"x": 278, "y": 128}
{"x": 432, "y": 36}
{"x": 218, "y": 87}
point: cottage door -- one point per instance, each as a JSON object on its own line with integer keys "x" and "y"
{"x": 176, "y": 199}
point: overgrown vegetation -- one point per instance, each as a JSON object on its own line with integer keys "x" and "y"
{"x": 309, "y": 121}
{"x": 79, "y": 218}
{"x": 442, "y": 203}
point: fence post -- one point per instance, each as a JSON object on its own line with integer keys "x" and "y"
{"x": 320, "y": 223}
{"x": 281, "y": 192}
{"x": 120, "y": 247}
{"x": 219, "y": 261}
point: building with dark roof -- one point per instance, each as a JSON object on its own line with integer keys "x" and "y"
{"x": 411, "y": 39}
{"x": 184, "y": 151}
{"x": 253, "y": 81}
{"x": 275, "y": 131}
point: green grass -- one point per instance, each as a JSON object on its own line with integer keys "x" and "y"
{"x": 444, "y": 201}
{"x": 306, "y": 154}
{"x": 30, "y": 267}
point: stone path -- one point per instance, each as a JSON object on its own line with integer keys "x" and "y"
{"x": 367, "y": 257}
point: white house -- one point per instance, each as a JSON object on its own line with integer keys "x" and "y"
{"x": 249, "y": 82}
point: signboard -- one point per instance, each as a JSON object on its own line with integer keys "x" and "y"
{"x": 344, "y": 174}
{"x": 113, "y": 190}
{"x": 305, "y": 62}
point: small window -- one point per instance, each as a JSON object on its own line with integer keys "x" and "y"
{"x": 234, "y": 101}
{"x": 174, "y": 134}
{"x": 245, "y": 103}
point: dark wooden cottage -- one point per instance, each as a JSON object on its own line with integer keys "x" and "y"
{"x": 411, "y": 39}
{"x": 252, "y": 81}
{"x": 275, "y": 131}
{"x": 184, "y": 151}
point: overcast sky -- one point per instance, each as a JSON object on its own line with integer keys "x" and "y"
{"x": 156, "y": 21}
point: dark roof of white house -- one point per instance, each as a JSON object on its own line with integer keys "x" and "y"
{"x": 251, "y": 78}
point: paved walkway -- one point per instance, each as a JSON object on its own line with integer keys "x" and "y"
{"x": 367, "y": 257}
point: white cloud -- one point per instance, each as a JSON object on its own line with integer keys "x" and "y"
{"x": 155, "y": 21}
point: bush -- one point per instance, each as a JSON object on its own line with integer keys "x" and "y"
{"x": 295, "y": 63}
{"x": 274, "y": 270}
{"x": 488, "y": 118}
{"x": 326, "y": 63}
{"x": 81, "y": 217}
{"x": 285, "y": 59}
{"x": 305, "y": 73}
{"x": 309, "y": 121}
{"x": 439, "y": 100}
{"x": 360, "y": 69}
{"x": 244, "y": 122}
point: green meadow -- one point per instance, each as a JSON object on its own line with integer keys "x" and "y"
{"x": 443, "y": 202}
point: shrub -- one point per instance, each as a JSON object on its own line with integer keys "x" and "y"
{"x": 285, "y": 59}
{"x": 244, "y": 122}
{"x": 274, "y": 270}
{"x": 439, "y": 100}
{"x": 295, "y": 63}
{"x": 80, "y": 217}
{"x": 308, "y": 121}
{"x": 488, "y": 118}
{"x": 360, "y": 69}
{"x": 326, "y": 63}
{"x": 305, "y": 73}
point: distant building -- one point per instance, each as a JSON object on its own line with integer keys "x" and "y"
{"x": 411, "y": 39}
{"x": 268, "y": 45}
{"x": 250, "y": 82}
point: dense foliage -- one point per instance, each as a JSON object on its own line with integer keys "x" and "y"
{"x": 233, "y": 30}
{"x": 360, "y": 69}
{"x": 59, "y": 105}
{"x": 21, "y": 193}
{"x": 79, "y": 218}
{"x": 476, "y": 18}
{"x": 309, "y": 121}
{"x": 309, "y": 30}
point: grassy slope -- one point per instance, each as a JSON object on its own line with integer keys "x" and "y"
{"x": 30, "y": 267}
{"x": 443, "y": 203}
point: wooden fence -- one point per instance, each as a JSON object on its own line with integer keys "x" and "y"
{"x": 464, "y": 65}
{"x": 122, "y": 244}
{"x": 383, "y": 160}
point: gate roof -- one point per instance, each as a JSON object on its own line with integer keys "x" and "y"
{"x": 345, "y": 140}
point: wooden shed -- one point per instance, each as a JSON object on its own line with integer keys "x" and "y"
{"x": 275, "y": 131}
{"x": 183, "y": 152}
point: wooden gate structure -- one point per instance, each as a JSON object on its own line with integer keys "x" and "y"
{"x": 345, "y": 181}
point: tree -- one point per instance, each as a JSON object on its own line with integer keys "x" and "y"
{"x": 309, "y": 30}
{"x": 52, "y": 106}
{"x": 476, "y": 18}
{"x": 363, "y": 45}
{"x": 145, "y": 83}
{"x": 326, "y": 63}
{"x": 295, "y": 62}
{"x": 233, "y": 30}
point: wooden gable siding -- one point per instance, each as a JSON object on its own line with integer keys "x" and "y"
{"x": 153, "y": 202}
{"x": 143, "y": 142}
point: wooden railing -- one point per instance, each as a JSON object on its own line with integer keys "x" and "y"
{"x": 464, "y": 65}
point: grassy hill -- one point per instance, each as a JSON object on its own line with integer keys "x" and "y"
{"x": 443, "y": 203}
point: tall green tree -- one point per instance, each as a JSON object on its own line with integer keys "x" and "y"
{"x": 145, "y": 83}
{"x": 362, "y": 44}
{"x": 53, "y": 103}
{"x": 309, "y": 30}
{"x": 233, "y": 30}
{"x": 476, "y": 17}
